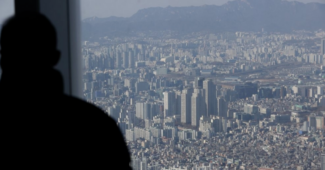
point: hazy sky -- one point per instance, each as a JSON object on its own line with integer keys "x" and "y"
{"x": 121, "y": 8}
{"x": 126, "y": 8}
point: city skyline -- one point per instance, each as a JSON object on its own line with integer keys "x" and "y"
{"x": 236, "y": 87}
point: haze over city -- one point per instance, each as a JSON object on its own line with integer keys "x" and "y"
{"x": 197, "y": 86}
{"x": 207, "y": 84}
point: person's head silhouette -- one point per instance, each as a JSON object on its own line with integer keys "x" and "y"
{"x": 28, "y": 42}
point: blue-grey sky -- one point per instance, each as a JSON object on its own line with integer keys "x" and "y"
{"x": 121, "y": 8}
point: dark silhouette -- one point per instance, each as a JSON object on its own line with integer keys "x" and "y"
{"x": 41, "y": 127}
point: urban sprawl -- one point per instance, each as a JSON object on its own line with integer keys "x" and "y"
{"x": 244, "y": 100}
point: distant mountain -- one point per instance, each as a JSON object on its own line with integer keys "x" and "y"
{"x": 237, "y": 15}
{"x": 96, "y": 20}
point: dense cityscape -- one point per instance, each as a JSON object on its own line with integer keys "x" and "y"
{"x": 239, "y": 100}
{"x": 192, "y": 85}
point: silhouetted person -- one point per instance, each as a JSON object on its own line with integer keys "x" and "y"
{"x": 41, "y": 127}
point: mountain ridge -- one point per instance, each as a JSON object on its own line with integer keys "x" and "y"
{"x": 237, "y": 15}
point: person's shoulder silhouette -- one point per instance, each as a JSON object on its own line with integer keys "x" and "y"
{"x": 41, "y": 126}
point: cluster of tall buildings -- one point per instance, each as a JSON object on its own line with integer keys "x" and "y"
{"x": 193, "y": 102}
{"x": 118, "y": 57}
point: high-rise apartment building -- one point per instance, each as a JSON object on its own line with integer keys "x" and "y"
{"x": 131, "y": 60}
{"x": 142, "y": 110}
{"x": 210, "y": 97}
{"x": 197, "y": 106}
{"x": 178, "y": 100}
{"x": 169, "y": 103}
{"x": 186, "y": 106}
{"x": 145, "y": 110}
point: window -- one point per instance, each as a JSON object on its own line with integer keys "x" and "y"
{"x": 209, "y": 84}
{"x": 6, "y": 10}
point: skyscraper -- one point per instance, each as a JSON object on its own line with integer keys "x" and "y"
{"x": 197, "y": 106}
{"x": 322, "y": 47}
{"x": 139, "y": 110}
{"x": 144, "y": 110}
{"x": 210, "y": 96}
{"x": 178, "y": 103}
{"x": 147, "y": 111}
{"x": 169, "y": 103}
{"x": 186, "y": 105}
{"x": 222, "y": 107}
